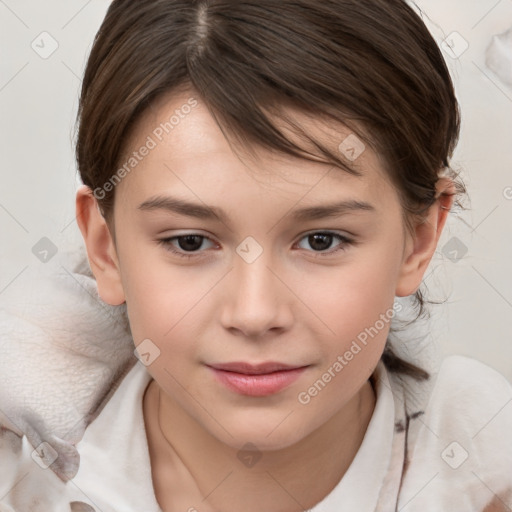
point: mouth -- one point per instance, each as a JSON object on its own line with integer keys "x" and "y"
{"x": 256, "y": 379}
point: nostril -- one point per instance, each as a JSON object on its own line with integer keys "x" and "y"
{"x": 80, "y": 506}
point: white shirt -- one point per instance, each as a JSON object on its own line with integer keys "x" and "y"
{"x": 456, "y": 456}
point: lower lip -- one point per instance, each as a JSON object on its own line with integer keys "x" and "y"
{"x": 258, "y": 385}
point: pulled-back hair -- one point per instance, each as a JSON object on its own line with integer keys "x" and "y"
{"x": 371, "y": 65}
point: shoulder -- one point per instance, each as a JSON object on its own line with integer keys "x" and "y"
{"x": 471, "y": 400}
{"x": 470, "y": 386}
{"x": 26, "y": 483}
{"x": 462, "y": 446}
{"x": 459, "y": 366}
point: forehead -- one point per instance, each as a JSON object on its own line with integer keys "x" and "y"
{"x": 184, "y": 141}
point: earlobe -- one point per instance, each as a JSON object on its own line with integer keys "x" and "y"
{"x": 101, "y": 250}
{"x": 421, "y": 247}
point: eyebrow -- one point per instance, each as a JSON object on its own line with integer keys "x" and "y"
{"x": 200, "y": 211}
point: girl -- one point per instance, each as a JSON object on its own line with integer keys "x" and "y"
{"x": 265, "y": 184}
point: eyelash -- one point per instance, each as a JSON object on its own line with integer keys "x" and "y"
{"x": 166, "y": 242}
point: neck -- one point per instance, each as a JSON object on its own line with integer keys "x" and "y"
{"x": 193, "y": 470}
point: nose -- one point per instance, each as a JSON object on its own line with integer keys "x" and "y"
{"x": 257, "y": 299}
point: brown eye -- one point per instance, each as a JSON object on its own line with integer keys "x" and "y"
{"x": 188, "y": 243}
{"x": 321, "y": 241}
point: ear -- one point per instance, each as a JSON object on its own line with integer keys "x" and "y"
{"x": 420, "y": 247}
{"x": 101, "y": 249}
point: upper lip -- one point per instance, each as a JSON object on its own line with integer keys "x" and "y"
{"x": 254, "y": 369}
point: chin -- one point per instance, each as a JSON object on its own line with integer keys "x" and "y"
{"x": 268, "y": 432}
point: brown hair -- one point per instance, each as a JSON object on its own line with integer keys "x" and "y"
{"x": 363, "y": 63}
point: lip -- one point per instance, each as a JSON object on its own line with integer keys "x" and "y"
{"x": 262, "y": 379}
{"x": 254, "y": 369}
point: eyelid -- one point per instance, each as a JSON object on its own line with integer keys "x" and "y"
{"x": 342, "y": 233}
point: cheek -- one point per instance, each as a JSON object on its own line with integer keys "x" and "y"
{"x": 352, "y": 297}
{"x": 159, "y": 300}
{"x": 171, "y": 306}
{"x": 358, "y": 307}
{"x": 167, "y": 304}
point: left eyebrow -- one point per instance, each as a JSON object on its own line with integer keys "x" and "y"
{"x": 332, "y": 210}
{"x": 201, "y": 211}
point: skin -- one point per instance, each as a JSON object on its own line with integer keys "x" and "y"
{"x": 290, "y": 305}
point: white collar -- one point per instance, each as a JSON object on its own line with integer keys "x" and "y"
{"x": 116, "y": 440}
{"x": 110, "y": 442}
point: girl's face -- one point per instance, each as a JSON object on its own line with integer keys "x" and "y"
{"x": 248, "y": 282}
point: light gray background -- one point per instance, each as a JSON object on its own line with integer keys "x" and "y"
{"x": 38, "y": 100}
